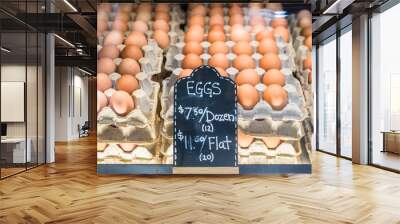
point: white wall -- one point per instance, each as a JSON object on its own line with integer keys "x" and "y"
{"x": 69, "y": 85}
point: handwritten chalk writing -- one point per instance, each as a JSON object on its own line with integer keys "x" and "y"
{"x": 213, "y": 143}
{"x": 201, "y": 89}
{"x": 194, "y": 112}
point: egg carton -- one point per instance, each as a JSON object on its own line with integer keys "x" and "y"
{"x": 113, "y": 153}
{"x": 167, "y": 149}
{"x": 141, "y": 124}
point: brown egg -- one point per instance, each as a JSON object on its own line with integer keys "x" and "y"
{"x": 195, "y": 33}
{"x": 136, "y": 38}
{"x": 308, "y": 42}
{"x": 265, "y": 34}
{"x": 161, "y": 38}
{"x": 257, "y": 19}
{"x": 199, "y": 10}
{"x": 240, "y": 34}
{"x": 242, "y": 47}
{"x": 132, "y": 51}
{"x": 267, "y": 46}
{"x": 236, "y": 19}
{"x": 276, "y": 96}
{"x": 127, "y": 147}
{"x": 271, "y": 142}
{"x": 257, "y": 28}
{"x": 216, "y": 35}
{"x": 310, "y": 77}
{"x": 127, "y": 83}
{"x": 244, "y": 140}
{"x": 121, "y": 103}
{"x": 122, "y": 16}
{"x": 304, "y": 13}
{"x": 143, "y": 16}
{"x": 270, "y": 61}
{"x": 244, "y": 61}
{"x": 193, "y": 47}
{"x": 106, "y": 65}
{"x": 307, "y": 63}
{"x": 305, "y": 22}
{"x": 120, "y": 25}
{"x": 162, "y": 7}
{"x": 161, "y": 25}
{"x": 222, "y": 71}
{"x": 216, "y": 20}
{"x": 191, "y": 61}
{"x": 248, "y": 76}
{"x": 235, "y": 9}
{"x": 113, "y": 38}
{"x": 184, "y": 73}
{"x": 162, "y": 16}
{"x": 247, "y": 96}
{"x": 274, "y": 76}
{"x": 219, "y": 60}
{"x": 129, "y": 66}
{"x": 109, "y": 51}
{"x": 101, "y": 101}
{"x": 274, "y": 6}
{"x": 279, "y": 22}
{"x": 307, "y": 31}
{"x": 281, "y": 31}
{"x": 216, "y": 27}
{"x": 196, "y": 20}
{"x": 140, "y": 26}
{"x": 218, "y": 47}
{"x": 103, "y": 82}
{"x": 125, "y": 7}
{"x": 216, "y": 11}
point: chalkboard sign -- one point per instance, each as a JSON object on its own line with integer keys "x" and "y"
{"x": 205, "y": 120}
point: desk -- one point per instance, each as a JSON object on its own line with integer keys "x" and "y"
{"x": 17, "y": 150}
{"x": 391, "y": 141}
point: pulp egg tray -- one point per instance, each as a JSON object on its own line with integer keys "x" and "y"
{"x": 288, "y": 152}
{"x": 166, "y": 149}
{"x": 114, "y": 153}
{"x": 138, "y": 125}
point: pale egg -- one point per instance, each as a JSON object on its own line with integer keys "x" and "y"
{"x": 106, "y": 65}
{"x": 121, "y": 103}
{"x": 109, "y": 51}
{"x": 140, "y": 26}
{"x": 101, "y": 101}
{"x": 136, "y": 38}
{"x": 103, "y": 82}
{"x": 113, "y": 38}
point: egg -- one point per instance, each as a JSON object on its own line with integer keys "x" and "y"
{"x": 127, "y": 147}
{"x": 244, "y": 140}
{"x": 136, "y": 38}
{"x": 235, "y": 9}
{"x": 143, "y": 16}
{"x": 267, "y": 33}
{"x": 109, "y": 51}
{"x": 283, "y": 32}
{"x": 244, "y": 61}
{"x": 162, "y": 38}
{"x": 101, "y": 101}
{"x": 219, "y": 60}
{"x": 236, "y": 19}
{"x": 191, "y": 61}
{"x": 196, "y": 20}
{"x": 218, "y": 47}
{"x": 216, "y": 11}
{"x": 267, "y": 46}
{"x": 279, "y": 22}
{"x": 270, "y": 61}
{"x": 307, "y": 63}
{"x": 129, "y": 66}
{"x": 132, "y": 51}
{"x": 248, "y": 96}
{"x": 274, "y": 76}
{"x": 162, "y": 16}
{"x": 216, "y": 20}
{"x": 216, "y": 35}
{"x": 121, "y": 102}
{"x": 308, "y": 42}
{"x": 199, "y": 10}
{"x": 257, "y": 28}
{"x": 248, "y": 76}
{"x": 161, "y": 25}
{"x": 127, "y": 83}
{"x": 125, "y": 7}
{"x": 242, "y": 47}
{"x": 222, "y": 72}
{"x": 122, "y": 16}
{"x": 274, "y": 6}
{"x": 304, "y": 13}
{"x": 103, "y": 82}
{"x": 113, "y": 38}
{"x": 240, "y": 34}
{"x": 217, "y": 27}
{"x": 271, "y": 142}
{"x": 305, "y": 22}
{"x": 307, "y": 31}
{"x": 106, "y": 65}
{"x": 102, "y": 26}
{"x": 257, "y": 19}
{"x": 195, "y": 33}
{"x": 193, "y": 47}
{"x": 140, "y": 26}
{"x": 184, "y": 73}
{"x": 162, "y": 7}
{"x": 276, "y": 96}
{"x": 120, "y": 25}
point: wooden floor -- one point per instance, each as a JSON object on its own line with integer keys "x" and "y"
{"x": 70, "y": 191}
